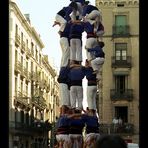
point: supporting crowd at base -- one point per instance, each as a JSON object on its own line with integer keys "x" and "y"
{"x": 77, "y": 128}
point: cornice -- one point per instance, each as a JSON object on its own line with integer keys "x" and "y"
{"x": 128, "y": 3}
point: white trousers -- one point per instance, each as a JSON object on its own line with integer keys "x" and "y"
{"x": 64, "y": 138}
{"x": 62, "y": 22}
{"x": 90, "y": 43}
{"x": 91, "y": 96}
{"x": 95, "y": 15}
{"x": 76, "y": 96}
{"x": 75, "y": 50}
{"x": 65, "y": 51}
{"x": 76, "y": 140}
{"x": 97, "y": 63}
{"x": 64, "y": 94}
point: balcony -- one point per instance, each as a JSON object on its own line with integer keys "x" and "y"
{"x": 23, "y": 46}
{"x": 121, "y": 31}
{"x": 35, "y": 127}
{"x": 21, "y": 98}
{"x": 39, "y": 102}
{"x": 125, "y": 129}
{"x": 121, "y": 62}
{"x": 18, "y": 66}
{"x": 126, "y": 94}
{"x": 17, "y": 40}
{"x": 23, "y": 72}
{"x": 28, "y": 52}
{"x": 33, "y": 76}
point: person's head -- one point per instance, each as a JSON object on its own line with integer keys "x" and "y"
{"x": 64, "y": 109}
{"x": 73, "y": 5}
{"x": 111, "y": 141}
{"x": 101, "y": 44}
{"x": 86, "y": 3}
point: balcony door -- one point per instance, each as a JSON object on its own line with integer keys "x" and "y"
{"x": 121, "y": 24}
{"x": 120, "y": 83}
{"x": 122, "y": 112}
{"x": 121, "y": 51}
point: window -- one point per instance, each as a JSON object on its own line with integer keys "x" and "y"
{"x": 120, "y": 83}
{"x": 22, "y": 36}
{"x": 121, "y": 51}
{"x": 21, "y": 90}
{"x": 27, "y": 65}
{"x": 36, "y": 54}
{"x": 27, "y": 90}
{"x": 16, "y": 29}
{"x": 122, "y": 112}
{"x": 40, "y": 58}
{"x": 16, "y": 56}
{"x": 120, "y": 20}
{"x": 32, "y": 48}
{"x": 16, "y": 85}
{"x": 22, "y": 61}
{"x": 31, "y": 66}
{"x": 121, "y": 27}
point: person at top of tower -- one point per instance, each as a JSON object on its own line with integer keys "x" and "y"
{"x": 91, "y": 13}
{"x": 80, "y": 4}
{"x": 63, "y": 16}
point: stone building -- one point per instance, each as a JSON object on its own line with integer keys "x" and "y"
{"x": 33, "y": 87}
{"x": 118, "y": 94}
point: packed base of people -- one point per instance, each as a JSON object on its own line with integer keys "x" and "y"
{"x": 76, "y": 127}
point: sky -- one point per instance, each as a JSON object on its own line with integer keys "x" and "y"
{"x": 42, "y": 16}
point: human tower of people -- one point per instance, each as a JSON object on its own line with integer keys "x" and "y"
{"x": 78, "y": 17}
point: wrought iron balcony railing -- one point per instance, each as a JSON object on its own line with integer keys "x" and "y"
{"x": 17, "y": 40}
{"x": 29, "y": 128}
{"x": 121, "y": 31}
{"x": 121, "y": 94}
{"x": 39, "y": 101}
{"x": 126, "y": 128}
{"x": 121, "y": 61}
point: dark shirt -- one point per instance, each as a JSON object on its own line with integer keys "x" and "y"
{"x": 63, "y": 75}
{"x": 97, "y": 51}
{"x": 88, "y": 9}
{"x": 76, "y": 74}
{"x": 65, "y": 13}
{"x": 76, "y": 30}
{"x": 91, "y": 78}
{"x": 92, "y": 124}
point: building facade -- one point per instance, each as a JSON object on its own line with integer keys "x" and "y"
{"x": 33, "y": 87}
{"x": 118, "y": 94}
